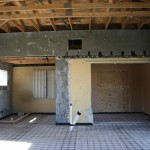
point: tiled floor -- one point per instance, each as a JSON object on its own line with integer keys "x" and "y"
{"x": 111, "y": 131}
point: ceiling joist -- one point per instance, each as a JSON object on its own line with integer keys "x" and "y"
{"x": 5, "y": 27}
{"x": 77, "y": 6}
{"x": 52, "y": 23}
{"x": 35, "y": 24}
{"x": 70, "y": 23}
{"x": 30, "y": 14}
{"x": 76, "y": 15}
{"x": 19, "y": 26}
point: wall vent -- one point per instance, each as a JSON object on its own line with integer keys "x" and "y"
{"x": 75, "y": 44}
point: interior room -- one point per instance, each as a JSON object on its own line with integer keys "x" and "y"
{"x": 75, "y": 75}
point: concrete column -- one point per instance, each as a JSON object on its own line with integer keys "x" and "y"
{"x": 62, "y": 91}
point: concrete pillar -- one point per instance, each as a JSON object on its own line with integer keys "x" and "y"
{"x": 62, "y": 91}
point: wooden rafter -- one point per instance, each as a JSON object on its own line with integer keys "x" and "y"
{"x": 76, "y": 15}
{"x": 141, "y": 24}
{"x": 49, "y": 1}
{"x": 35, "y": 24}
{"x": 22, "y": 13}
{"x": 107, "y": 22}
{"x": 70, "y": 23}
{"x": 3, "y": 22}
{"x": 11, "y": 0}
{"x": 108, "y": 19}
{"x": 90, "y": 19}
{"x": 5, "y": 27}
{"x": 52, "y": 23}
{"x": 90, "y": 23}
{"x": 28, "y": 60}
{"x": 78, "y": 6}
{"x": 19, "y": 26}
{"x": 125, "y": 22}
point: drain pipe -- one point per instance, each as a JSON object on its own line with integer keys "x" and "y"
{"x": 75, "y": 120}
{"x": 70, "y": 113}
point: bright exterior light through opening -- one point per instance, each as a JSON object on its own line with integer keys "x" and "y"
{"x": 3, "y": 77}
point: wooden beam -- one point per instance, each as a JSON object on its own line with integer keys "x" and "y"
{"x": 109, "y": 18}
{"x": 5, "y": 27}
{"x": 28, "y": 60}
{"x": 70, "y": 23}
{"x": 3, "y": 22}
{"x": 19, "y": 26}
{"x": 76, "y": 15}
{"x": 141, "y": 24}
{"x": 52, "y": 23}
{"x": 90, "y": 23}
{"x": 76, "y": 6}
{"x": 35, "y": 24}
{"x": 11, "y": 0}
{"x": 49, "y": 1}
{"x": 107, "y": 22}
{"x": 125, "y": 22}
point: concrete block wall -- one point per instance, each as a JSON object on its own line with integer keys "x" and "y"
{"x": 6, "y": 92}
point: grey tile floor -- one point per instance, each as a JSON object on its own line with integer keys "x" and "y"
{"x": 110, "y": 132}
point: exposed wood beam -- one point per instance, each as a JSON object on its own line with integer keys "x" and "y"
{"x": 52, "y": 23}
{"x": 11, "y": 0}
{"x": 3, "y": 22}
{"x": 146, "y": 21}
{"x": 19, "y": 26}
{"x": 5, "y": 27}
{"x": 90, "y": 23}
{"x": 141, "y": 24}
{"x": 76, "y": 6}
{"x": 107, "y": 22}
{"x": 76, "y": 14}
{"x": 35, "y": 24}
{"x": 125, "y": 22}
{"x": 49, "y": 1}
{"x": 109, "y": 18}
{"x": 28, "y": 60}
{"x": 1, "y": 4}
{"x": 70, "y": 23}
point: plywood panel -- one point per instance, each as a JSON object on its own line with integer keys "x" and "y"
{"x": 115, "y": 88}
{"x": 111, "y": 93}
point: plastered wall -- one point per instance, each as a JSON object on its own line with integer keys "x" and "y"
{"x": 23, "y": 100}
{"x": 6, "y": 92}
{"x": 116, "y": 88}
{"x": 80, "y": 85}
{"x": 145, "y": 84}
